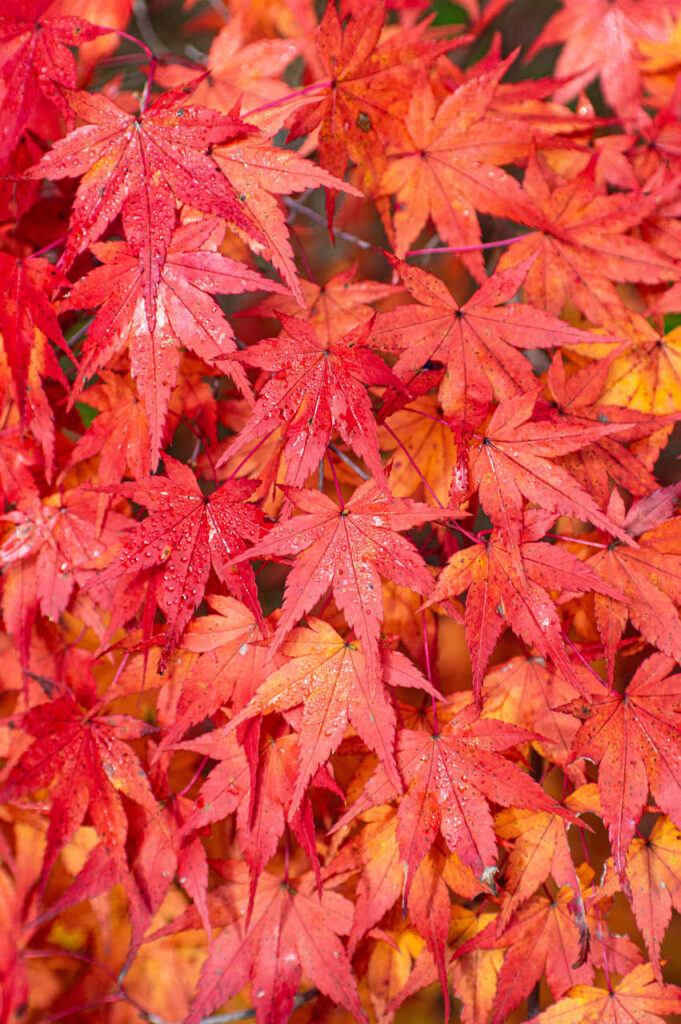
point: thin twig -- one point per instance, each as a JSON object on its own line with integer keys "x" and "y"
{"x": 321, "y": 219}
{"x": 349, "y": 462}
{"x": 230, "y": 1018}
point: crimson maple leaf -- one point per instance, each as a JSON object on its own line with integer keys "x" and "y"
{"x": 262, "y": 796}
{"x": 183, "y": 313}
{"x": 317, "y": 387}
{"x": 348, "y": 548}
{"x": 634, "y": 739}
{"x": 84, "y": 759}
{"x": 185, "y": 533}
{"x": 140, "y": 166}
{"x": 35, "y": 58}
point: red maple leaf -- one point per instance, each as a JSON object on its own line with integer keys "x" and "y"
{"x": 182, "y": 313}
{"x": 317, "y": 388}
{"x": 140, "y": 166}
{"x": 35, "y": 58}
{"x": 291, "y": 930}
{"x": 634, "y": 739}
{"x": 348, "y": 548}
{"x": 185, "y": 533}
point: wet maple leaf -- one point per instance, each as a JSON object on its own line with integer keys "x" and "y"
{"x": 48, "y": 553}
{"x": 183, "y": 314}
{"x": 317, "y": 388}
{"x": 327, "y": 675}
{"x": 348, "y": 548}
{"x": 583, "y": 248}
{"x": 452, "y": 775}
{"x": 542, "y": 937}
{"x": 26, "y": 290}
{"x": 477, "y": 342}
{"x": 446, "y": 167}
{"x": 35, "y": 59}
{"x": 649, "y": 576}
{"x": 291, "y": 931}
{"x": 634, "y": 739}
{"x": 653, "y": 885}
{"x": 637, "y": 997}
{"x": 503, "y": 589}
{"x": 512, "y": 461}
{"x": 185, "y": 534}
{"x": 140, "y": 167}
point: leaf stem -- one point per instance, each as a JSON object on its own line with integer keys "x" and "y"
{"x": 466, "y": 248}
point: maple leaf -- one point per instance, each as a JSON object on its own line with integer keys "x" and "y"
{"x": 541, "y": 937}
{"x": 512, "y": 461}
{"x": 84, "y": 759}
{"x": 183, "y": 313}
{"x": 25, "y": 309}
{"x": 601, "y": 38}
{"x": 634, "y": 739}
{"x": 425, "y": 461}
{"x": 185, "y": 533}
{"x": 583, "y": 248}
{"x": 477, "y": 342}
{"x": 445, "y": 166}
{"x": 452, "y": 775}
{"x": 140, "y": 167}
{"x": 48, "y": 553}
{"x": 238, "y": 71}
{"x": 647, "y": 576}
{"x": 327, "y": 674}
{"x": 653, "y": 884}
{"x": 348, "y": 548}
{"x": 527, "y": 692}
{"x": 316, "y": 387}
{"x": 367, "y": 88}
{"x": 501, "y": 588}
{"x": 291, "y": 930}
{"x": 229, "y": 667}
{"x": 35, "y": 59}
{"x": 608, "y": 457}
{"x": 638, "y": 996}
